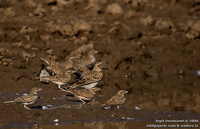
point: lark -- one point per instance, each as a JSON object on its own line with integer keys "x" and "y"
{"x": 88, "y": 60}
{"x": 27, "y": 99}
{"x": 117, "y": 99}
{"x": 92, "y": 78}
{"x": 82, "y": 50}
{"x": 60, "y": 79}
{"x": 58, "y": 68}
{"x": 84, "y": 94}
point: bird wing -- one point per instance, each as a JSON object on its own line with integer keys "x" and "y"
{"x": 85, "y": 93}
{"x": 26, "y": 99}
{"x": 92, "y": 77}
{"x": 115, "y": 100}
{"x": 54, "y": 66}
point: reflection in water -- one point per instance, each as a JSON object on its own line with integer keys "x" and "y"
{"x": 95, "y": 125}
{"x": 111, "y": 125}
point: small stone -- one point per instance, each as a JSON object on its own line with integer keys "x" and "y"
{"x": 26, "y": 30}
{"x": 30, "y": 4}
{"x": 9, "y": 11}
{"x": 45, "y": 37}
{"x": 18, "y": 44}
{"x": 66, "y": 30}
{"x": 39, "y": 11}
{"x": 2, "y": 50}
{"x": 50, "y": 2}
{"x": 162, "y": 24}
{"x": 5, "y": 63}
{"x": 50, "y": 51}
{"x": 27, "y": 46}
{"x": 114, "y": 9}
{"x": 196, "y": 26}
{"x": 130, "y": 14}
{"x": 147, "y": 21}
{"x": 80, "y": 25}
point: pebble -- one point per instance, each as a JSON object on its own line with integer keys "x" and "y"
{"x": 66, "y": 30}
{"x": 50, "y": 51}
{"x": 50, "y": 1}
{"x": 114, "y": 9}
{"x": 147, "y": 21}
{"x": 80, "y": 25}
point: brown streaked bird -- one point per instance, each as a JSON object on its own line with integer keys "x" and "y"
{"x": 117, "y": 99}
{"x": 84, "y": 94}
{"x": 60, "y": 79}
{"x": 58, "y": 68}
{"x": 92, "y": 78}
{"x": 27, "y": 99}
{"x": 87, "y": 60}
{"x": 82, "y": 50}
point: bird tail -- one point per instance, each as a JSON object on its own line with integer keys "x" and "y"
{"x": 9, "y": 101}
{"x": 45, "y": 60}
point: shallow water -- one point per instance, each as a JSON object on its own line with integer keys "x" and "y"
{"x": 167, "y": 97}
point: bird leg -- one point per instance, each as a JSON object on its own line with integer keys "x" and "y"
{"x": 82, "y": 101}
{"x": 93, "y": 100}
{"x": 59, "y": 87}
{"x": 27, "y": 107}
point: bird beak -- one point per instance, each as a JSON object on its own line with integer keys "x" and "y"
{"x": 95, "y": 52}
{"x": 125, "y": 92}
{"x": 39, "y": 89}
{"x": 103, "y": 64}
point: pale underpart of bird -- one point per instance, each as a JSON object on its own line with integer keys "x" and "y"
{"x": 44, "y": 73}
{"x": 92, "y": 78}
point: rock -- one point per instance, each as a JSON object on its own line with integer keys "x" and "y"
{"x": 130, "y": 14}
{"x": 2, "y": 50}
{"x": 26, "y": 30}
{"x": 39, "y": 11}
{"x": 49, "y": 2}
{"x": 195, "y": 25}
{"x": 135, "y": 3}
{"x": 9, "y": 12}
{"x": 114, "y": 9}
{"x": 80, "y": 25}
{"x": 192, "y": 34}
{"x": 147, "y": 21}
{"x": 50, "y": 51}
{"x": 5, "y": 63}
{"x": 17, "y": 44}
{"x": 164, "y": 26}
{"x": 66, "y": 3}
{"x": 27, "y": 46}
{"x": 66, "y": 30}
{"x": 45, "y": 37}
{"x": 30, "y": 4}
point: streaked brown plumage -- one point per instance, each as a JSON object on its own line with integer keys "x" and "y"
{"x": 27, "y": 99}
{"x": 58, "y": 68}
{"x": 117, "y": 99}
{"x": 87, "y": 60}
{"x": 82, "y": 50}
{"x": 92, "y": 78}
{"x": 84, "y": 94}
{"x": 60, "y": 79}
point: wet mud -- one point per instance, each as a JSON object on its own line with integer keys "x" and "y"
{"x": 151, "y": 49}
